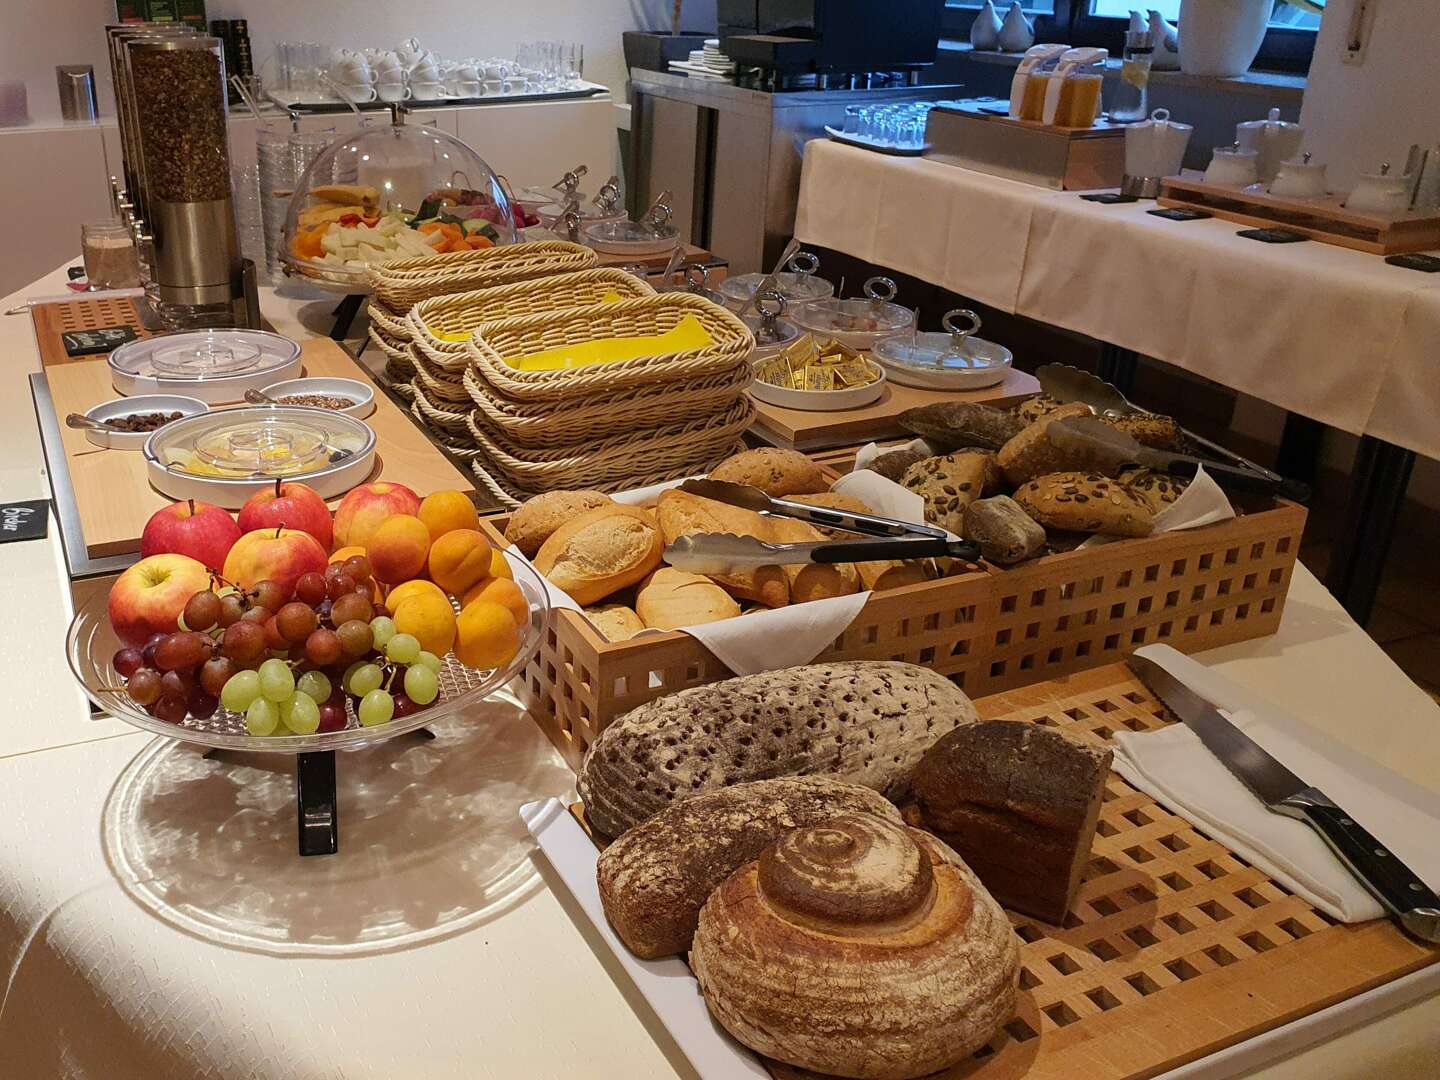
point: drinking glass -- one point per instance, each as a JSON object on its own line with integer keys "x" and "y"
{"x": 575, "y": 64}
{"x": 110, "y": 258}
{"x": 852, "y": 120}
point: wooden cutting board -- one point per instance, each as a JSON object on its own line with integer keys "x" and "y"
{"x": 1175, "y": 948}
{"x": 796, "y": 429}
{"x": 115, "y": 500}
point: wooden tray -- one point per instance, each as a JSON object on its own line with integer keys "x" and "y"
{"x": 1175, "y": 947}
{"x": 114, "y": 499}
{"x": 82, "y": 313}
{"x": 796, "y": 429}
{"x": 1320, "y": 219}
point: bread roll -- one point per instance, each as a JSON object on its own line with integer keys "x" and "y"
{"x": 857, "y": 948}
{"x": 600, "y": 552}
{"x": 949, "y": 484}
{"x": 654, "y": 879}
{"x": 893, "y": 463}
{"x": 616, "y": 622}
{"x": 537, "y": 518}
{"x": 1151, "y": 429}
{"x": 811, "y": 581}
{"x": 681, "y": 514}
{"x": 1031, "y": 453}
{"x": 957, "y": 425}
{"x": 776, "y": 472}
{"x": 1005, "y": 532}
{"x": 1158, "y": 489}
{"x": 1033, "y": 408}
{"x": 1085, "y": 502}
{"x": 669, "y": 599}
{"x": 867, "y": 722}
{"x": 1019, "y": 802}
{"x": 833, "y": 500}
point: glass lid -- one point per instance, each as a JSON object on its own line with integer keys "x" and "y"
{"x": 200, "y": 355}
{"x": 873, "y": 315}
{"x": 798, "y": 284}
{"x": 954, "y": 350}
{"x": 251, "y": 443}
{"x": 767, "y": 326}
{"x": 393, "y": 192}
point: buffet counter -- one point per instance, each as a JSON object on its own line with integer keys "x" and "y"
{"x": 156, "y": 921}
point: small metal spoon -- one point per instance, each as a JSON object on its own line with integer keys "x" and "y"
{"x": 81, "y": 421}
{"x": 258, "y": 397}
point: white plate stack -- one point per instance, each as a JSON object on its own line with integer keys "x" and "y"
{"x": 707, "y": 63}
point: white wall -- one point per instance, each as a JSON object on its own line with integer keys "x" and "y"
{"x": 1358, "y": 115}
{"x": 35, "y": 35}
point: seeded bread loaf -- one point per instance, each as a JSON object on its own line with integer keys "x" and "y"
{"x": 774, "y": 471}
{"x": 893, "y": 464}
{"x": 1158, "y": 489}
{"x": 866, "y": 722}
{"x": 655, "y": 879}
{"x": 949, "y": 484}
{"x": 956, "y": 425}
{"x": 1032, "y": 409}
{"x": 1151, "y": 429}
{"x": 1032, "y": 453}
{"x": 1085, "y": 502}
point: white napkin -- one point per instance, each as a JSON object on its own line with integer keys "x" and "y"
{"x": 1175, "y": 768}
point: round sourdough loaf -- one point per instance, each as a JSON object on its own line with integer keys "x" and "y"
{"x": 857, "y": 948}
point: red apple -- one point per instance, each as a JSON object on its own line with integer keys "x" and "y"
{"x": 365, "y": 507}
{"x": 279, "y": 555}
{"x": 149, "y": 597}
{"x": 290, "y": 506}
{"x": 197, "y": 529}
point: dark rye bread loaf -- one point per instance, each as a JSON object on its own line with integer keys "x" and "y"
{"x": 1019, "y": 803}
{"x": 867, "y": 722}
{"x": 655, "y": 879}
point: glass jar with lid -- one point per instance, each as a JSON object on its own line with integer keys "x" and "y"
{"x": 798, "y": 284}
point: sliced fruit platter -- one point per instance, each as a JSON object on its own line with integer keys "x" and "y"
{"x": 289, "y": 629}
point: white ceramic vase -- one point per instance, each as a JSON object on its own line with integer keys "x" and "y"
{"x": 1016, "y": 34}
{"x": 985, "y": 30}
{"x": 1221, "y": 37}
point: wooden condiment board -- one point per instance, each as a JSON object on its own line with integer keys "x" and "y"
{"x": 114, "y": 498}
{"x": 797, "y": 429}
{"x": 82, "y": 313}
{"x": 1175, "y": 948}
{"x": 1320, "y": 219}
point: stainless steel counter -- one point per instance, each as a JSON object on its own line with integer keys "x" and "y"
{"x": 731, "y": 156}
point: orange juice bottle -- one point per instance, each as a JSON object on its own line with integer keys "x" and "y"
{"x": 1027, "y": 88}
{"x": 1072, "y": 96}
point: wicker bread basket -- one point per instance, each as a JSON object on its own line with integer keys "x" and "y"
{"x": 390, "y": 323}
{"x": 731, "y": 343}
{"x": 598, "y": 416}
{"x": 440, "y": 416}
{"x": 440, "y": 385}
{"x": 400, "y": 285}
{"x": 463, "y": 312}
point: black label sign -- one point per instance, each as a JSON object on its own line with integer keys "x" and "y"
{"x": 24, "y": 520}
{"x": 100, "y": 340}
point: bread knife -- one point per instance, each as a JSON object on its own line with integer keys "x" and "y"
{"x": 748, "y": 497}
{"x": 722, "y": 553}
{"x": 1399, "y": 889}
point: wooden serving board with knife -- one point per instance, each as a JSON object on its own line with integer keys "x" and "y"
{"x": 1175, "y": 947}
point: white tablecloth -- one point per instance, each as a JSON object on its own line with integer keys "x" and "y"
{"x": 1333, "y": 334}
{"x": 155, "y": 920}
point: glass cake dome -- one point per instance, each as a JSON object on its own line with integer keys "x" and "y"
{"x": 392, "y": 192}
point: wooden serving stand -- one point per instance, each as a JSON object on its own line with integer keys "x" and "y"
{"x": 82, "y": 313}
{"x": 1175, "y": 947}
{"x": 113, "y": 496}
{"x": 1059, "y": 158}
{"x": 799, "y": 429}
{"x": 1324, "y": 219}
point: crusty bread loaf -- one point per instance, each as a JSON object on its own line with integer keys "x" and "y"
{"x": 681, "y": 514}
{"x": 1158, "y": 489}
{"x": 537, "y": 518}
{"x": 654, "y": 879}
{"x": 774, "y": 471}
{"x": 615, "y": 621}
{"x": 958, "y": 425}
{"x": 949, "y": 484}
{"x": 1019, "y": 802}
{"x": 857, "y": 948}
{"x": 1085, "y": 502}
{"x": 1151, "y": 429}
{"x": 893, "y": 463}
{"x": 600, "y": 552}
{"x": 669, "y": 599}
{"x": 867, "y": 722}
{"x": 811, "y": 581}
{"x": 1033, "y": 408}
{"x": 1032, "y": 453}
{"x": 1005, "y": 532}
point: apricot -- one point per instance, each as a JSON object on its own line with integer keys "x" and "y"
{"x": 486, "y": 635}
{"x": 445, "y": 511}
{"x": 500, "y": 566}
{"x": 504, "y": 592}
{"x": 417, "y": 587}
{"x": 459, "y": 559}
{"x": 430, "y": 618}
{"x": 397, "y": 549}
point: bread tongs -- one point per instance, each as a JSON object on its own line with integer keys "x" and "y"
{"x": 885, "y": 538}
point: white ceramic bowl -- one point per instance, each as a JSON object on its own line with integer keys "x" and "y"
{"x": 360, "y": 393}
{"x": 129, "y": 406}
{"x": 853, "y": 397}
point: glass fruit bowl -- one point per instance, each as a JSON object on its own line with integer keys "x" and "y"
{"x": 91, "y": 644}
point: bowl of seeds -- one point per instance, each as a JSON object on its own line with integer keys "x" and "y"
{"x": 349, "y": 396}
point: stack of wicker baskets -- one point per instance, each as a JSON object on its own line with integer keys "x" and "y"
{"x": 399, "y": 286}
{"x": 611, "y": 426}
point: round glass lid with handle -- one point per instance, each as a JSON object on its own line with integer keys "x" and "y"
{"x": 798, "y": 283}
{"x": 858, "y": 323}
{"x": 954, "y": 360}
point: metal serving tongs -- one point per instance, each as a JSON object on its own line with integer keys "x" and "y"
{"x": 770, "y": 282}
{"x": 885, "y": 538}
{"x": 1112, "y": 450}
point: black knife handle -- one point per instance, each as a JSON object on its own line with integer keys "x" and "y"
{"x": 1231, "y": 475}
{"x": 843, "y": 551}
{"x": 1393, "y": 883}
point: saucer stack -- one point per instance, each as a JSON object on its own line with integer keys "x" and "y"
{"x": 706, "y": 63}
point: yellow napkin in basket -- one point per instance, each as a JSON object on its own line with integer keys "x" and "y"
{"x": 687, "y": 334}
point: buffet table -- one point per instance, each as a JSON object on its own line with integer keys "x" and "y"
{"x": 155, "y": 921}
{"x": 1335, "y": 335}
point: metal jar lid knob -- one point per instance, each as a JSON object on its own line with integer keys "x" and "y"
{"x": 771, "y": 305}
{"x": 951, "y": 323}
{"x": 803, "y": 262}
{"x": 697, "y": 278}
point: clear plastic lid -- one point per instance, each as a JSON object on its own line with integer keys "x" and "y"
{"x": 392, "y": 192}
{"x": 248, "y": 443}
{"x": 858, "y": 323}
{"x": 952, "y": 360}
{"x": 798, "y": 284}
{"x": 204, "y": 355}
{"x": 625, "y": 237}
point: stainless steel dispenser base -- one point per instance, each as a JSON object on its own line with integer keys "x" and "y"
{"x": 1145, "y": 187}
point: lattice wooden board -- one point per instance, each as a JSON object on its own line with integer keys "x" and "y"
{"x": 1176, "y": 947}
{"x": 82, "y": 313}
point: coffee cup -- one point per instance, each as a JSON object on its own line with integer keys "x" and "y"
{"x": 469, "y": 88}
{"x": 432, "y": 90}
{"x": 357, "y": 93}
{"x": 392, "y": 90}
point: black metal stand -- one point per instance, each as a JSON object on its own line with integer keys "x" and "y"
{"x": 1117, "y": 366}
{"x": 345, "y": 313}
{"x": 1299, "y": 455}
{"x": 315, "y": 803}
{"x": 1377, "y": 489}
